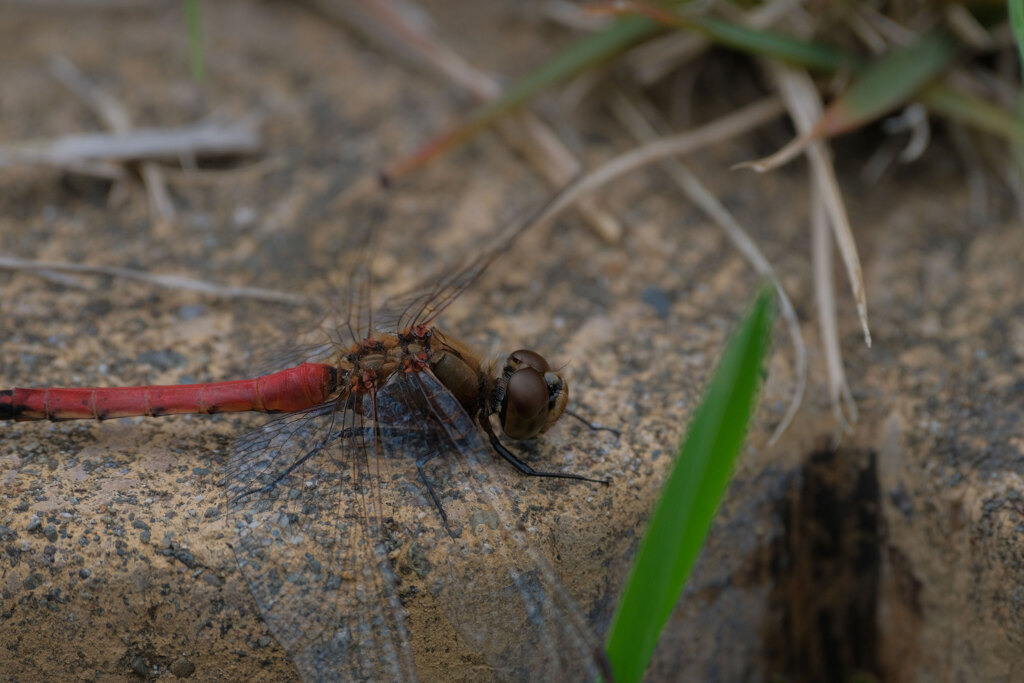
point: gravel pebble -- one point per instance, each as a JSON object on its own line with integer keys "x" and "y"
{"x": 182, "y": 668}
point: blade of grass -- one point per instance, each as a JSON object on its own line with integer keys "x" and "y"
{"x": 195, "y": 37}
{"x": 1017, "y": 24}
{"x": 887, "y": 83}
{"x": 687, "y": 505}
{"x": 974, "y": 111}
{"x": 759, "y": 42}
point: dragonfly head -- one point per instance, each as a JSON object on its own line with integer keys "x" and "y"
{"x": 531, "y": 396}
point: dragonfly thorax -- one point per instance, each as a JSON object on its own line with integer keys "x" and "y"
{"x": 527, "y": 394}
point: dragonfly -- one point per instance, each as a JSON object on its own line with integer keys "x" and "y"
{"x": 378, "y": 478}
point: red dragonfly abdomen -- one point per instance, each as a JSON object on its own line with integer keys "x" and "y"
{"x": 289, "y": 390}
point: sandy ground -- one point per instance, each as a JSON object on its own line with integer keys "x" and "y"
{"x": 896, "y": 555}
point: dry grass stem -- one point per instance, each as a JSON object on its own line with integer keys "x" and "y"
{"x": 573, "y": 15}
{"x": 169, "y": 281}
{"x": 967, "y": 28}
{"x": 825, "y": 298}
{"x": 89, "y": 150}
{"x": 888, "y": 31}
{"x": 116, "y": 118}
{"x": 804, "y": 106}
{"x": 791, "y": 150}
{"x": 731, "y": 125}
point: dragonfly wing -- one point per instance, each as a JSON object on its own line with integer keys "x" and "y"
{"x": 422, "y": 304}
{"x": 341, "y": 313}
{"x": 308, "y": 541}
{"x": 500, "y": 593}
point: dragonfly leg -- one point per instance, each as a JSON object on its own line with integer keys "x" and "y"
{"x": 266, "y": 488}
{"x": 593, "y": 425}
{"x": 522, "y": 466}
{"x": 430, "y": 489}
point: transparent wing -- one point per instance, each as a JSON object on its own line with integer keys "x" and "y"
{"x": 499, "y": 592}
{"x": 326, "y": 504}
{"x": 341, "y": 314}
{"x": 306, "y": 340}
{"x": 303, "y": 499}
{"x": 422, "y": 304}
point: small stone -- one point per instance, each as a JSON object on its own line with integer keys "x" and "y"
{"x": 50, "y": 532}
{"x": 186, "y": 558}
{"x": 191, "y": 311}
{"x": 84, "y": 573}
{"x": 244, "y": 216}
{"x": 658, "y": 300}
{"x": 182, "y": 668}
{"x": 140, "y": 665}
{"x": 164, "y": 359}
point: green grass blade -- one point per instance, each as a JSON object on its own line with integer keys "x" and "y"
{"x": 1017, "y": 24}
{"x": 974, "y": 111}
{"x": 770, "y": 44}
{"x": 888, "y": 83}
{"x": 691, "y": 495}
{"x": 758, "y": 42}
{"x": 195, "y": 36}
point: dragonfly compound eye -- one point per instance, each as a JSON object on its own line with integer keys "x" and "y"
{"x": 528, "y": 358}
{"x": 532, "y": 402}
{"x": 524, "y": 409}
